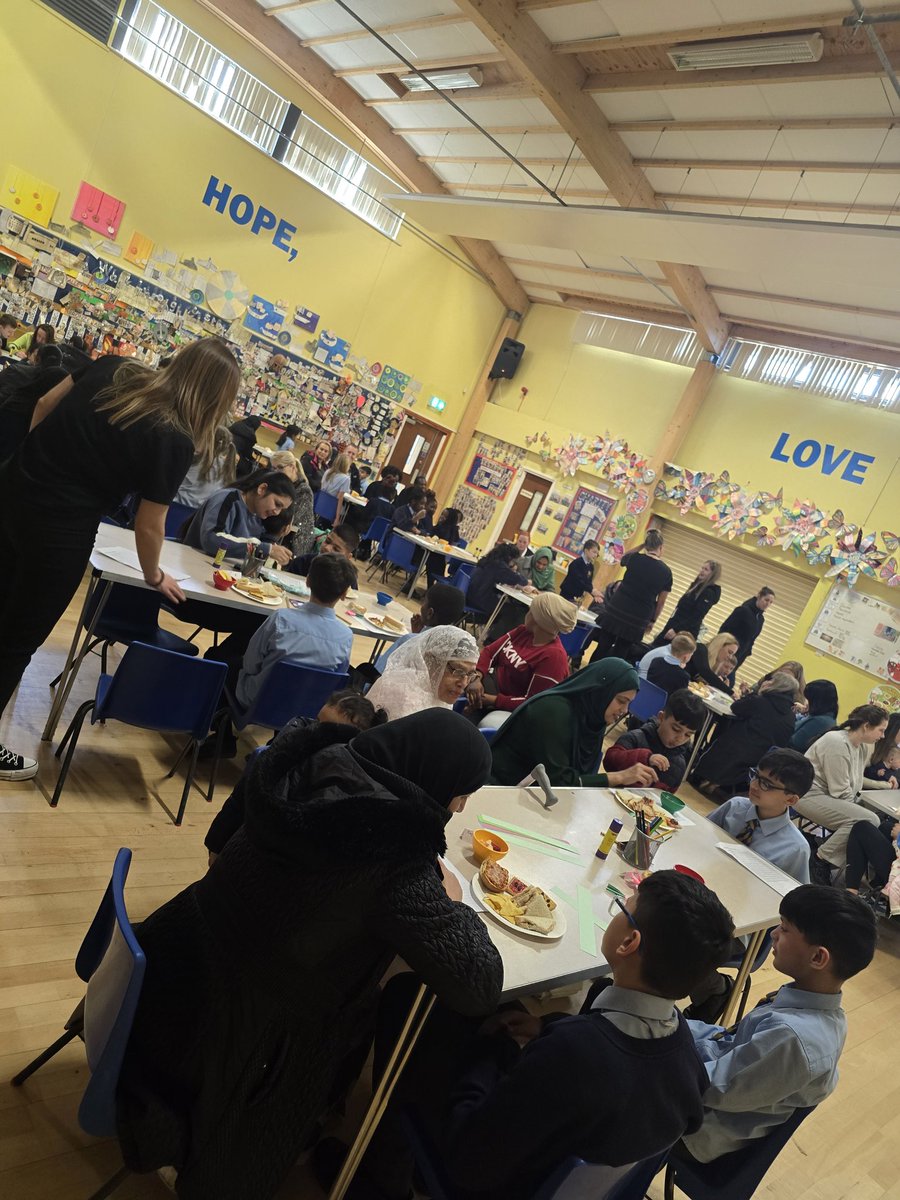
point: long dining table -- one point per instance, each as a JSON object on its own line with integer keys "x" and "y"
{"x": 555, "y": 849}
{"x": 114, "y": 561}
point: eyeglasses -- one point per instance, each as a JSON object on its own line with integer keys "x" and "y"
{"x": 616, "y": 905}
{"x": 461, "y": 673}
{"x": 765, "y": 784}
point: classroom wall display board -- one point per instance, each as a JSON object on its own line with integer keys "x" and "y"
{"x": 859, "y": 629}
{"x": 489, "y": 476}
{"x": 393, "y": 384}
{"x": 27, "y": 196}
{"x": 587, "y": 517}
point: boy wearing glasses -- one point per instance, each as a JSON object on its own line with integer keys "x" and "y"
{"x": 761, "y": 821}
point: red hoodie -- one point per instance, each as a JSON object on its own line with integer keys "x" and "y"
{"x": 522, "y": 669}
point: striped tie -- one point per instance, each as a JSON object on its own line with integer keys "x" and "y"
{"x": 746, "y": 834}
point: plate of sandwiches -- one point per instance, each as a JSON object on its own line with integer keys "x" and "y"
{"x": 260, "y": 590}
{"x": 636, "y": 803}
{"x": 521, "y": 906}
{"x": 385, "y": 623}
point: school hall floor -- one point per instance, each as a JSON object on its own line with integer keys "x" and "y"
{"x": 55, "y": 865}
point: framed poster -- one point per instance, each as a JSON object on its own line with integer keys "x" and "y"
{"x": 393, "y": 384}
{"x": 489, "y": 476}
{"x": 587, "y": 517}
{"x": 859, "y": 629}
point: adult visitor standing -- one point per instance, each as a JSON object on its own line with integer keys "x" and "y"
{"x": 692, "y": 607}
{"x": 746, "y": 622}
{"x": 634, "y": 607}
{"x": 121, "y": 429}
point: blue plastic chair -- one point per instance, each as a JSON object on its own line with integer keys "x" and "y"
{"x": 460, "y": 543}
{"x": 289, "y": 690}
{"x": 461, "y": 577}
{"x": 112, "y": 964}
{"x": 574, "y": 642}
{"x": 325, "y": 506}
{"x": 649, "y": 700}
{"x": 574, "y": 1179}
{"x": 130, "y": 614}
{"x": 381, "y": 548}
{"x": 153, "y": 689}
{"x": 398, "y": 553}
{"x": 176, "y": 518}
{"x": 734, "y": 1176}
{"x": 378, "y": 527}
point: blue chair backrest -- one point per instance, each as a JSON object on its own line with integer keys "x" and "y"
{"x": 574, "y": 642}
{"x": 488, "y": 734}
{"x": 291, "y": 690}
{"x": 400, "y": 552}
{"x": 737, "y": 1175}
{"x": 176, "y": 518}
{"x": 325, "y": 505}
{"x": 378, "y": 527}
{"x": 112, "y": 963}
{"x": 461, "y": 579}
{"x": 162, "y": 690}
{"x": 460, "y": 543}
{"x": 126, "y": 609}
{"x": 648, "y": 701}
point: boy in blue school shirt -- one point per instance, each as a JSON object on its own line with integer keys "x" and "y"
{"x": 312, "y": 634}
{"x": 761, "y": 820}
{"x": 783, "y": 1055}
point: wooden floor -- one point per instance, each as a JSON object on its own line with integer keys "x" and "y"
{"x": 54, "y": 866}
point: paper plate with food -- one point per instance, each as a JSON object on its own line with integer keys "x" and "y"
{"x": 700, "y": 688}
{"x": 259, "y": 590}
{"x": 635, "y": 803}
{"x": 385, "y": 623}
{"x": 519, "y": 905}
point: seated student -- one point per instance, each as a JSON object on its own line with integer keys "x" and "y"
{"x": 345, "y": 707}
{"x": 408, "y": 516}
{"x": 343, "y": 539}
{"x": 527, "y": 660}
{"x": 312, "y": 635}
{"x": 8, "y": 326}
{"x": 883, "y": 770}
{"x": 497, "y": 566}
{"x": 820, "y": 715}
{"x": 508, "y": 1102}
{"x": 666, "y": 666}
{"x": 441, "y": 605}
{"x": 873, "y": 858}
{"x": 419, "y": 482}
{"x": 580, "y": 575}
{"x": 713, "y": 662}
{"x": 202, "y": 481}
{"x": 663, "y": 742}
{"x": 380, "y": 495}
{"x": 365, "y": 474}
{"x": 239, "y": 511}
{"x": 762, "y": 821}
{"x": 783, "y": 1055}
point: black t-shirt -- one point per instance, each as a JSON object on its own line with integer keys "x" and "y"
{"x": 77, "y": 466}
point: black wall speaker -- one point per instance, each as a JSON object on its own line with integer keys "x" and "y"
{"x": 508, "y": 358}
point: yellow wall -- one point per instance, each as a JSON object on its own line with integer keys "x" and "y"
{"x": 94, "y": 116}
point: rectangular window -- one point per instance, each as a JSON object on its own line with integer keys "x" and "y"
{"x": 95, "y": 17}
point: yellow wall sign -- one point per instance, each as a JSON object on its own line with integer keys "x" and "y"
{"x": 138, "y": 250}
{"x": 28, "y": 196}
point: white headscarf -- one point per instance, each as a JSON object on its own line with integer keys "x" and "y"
{"x": 415, "y": 669}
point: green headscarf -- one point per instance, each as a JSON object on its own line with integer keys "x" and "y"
{"x": 543, "y": 578}
{"x": 589, "y": 692}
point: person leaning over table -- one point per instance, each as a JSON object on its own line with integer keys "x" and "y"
{"x": 257, "y": 1007}
{"x": 713, "y": 661}
{"x": 244, "y": 433}
{"x": 119, "y": 429}
{"x": 25, "y": 343}
{"x": 564, "y": 727}
{"x": 540, "y": 578}
{"x": 497, "y": 566}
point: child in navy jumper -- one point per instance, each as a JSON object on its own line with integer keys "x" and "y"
{"x": 508, "y": 1101}
{"x": 662, "y": 742}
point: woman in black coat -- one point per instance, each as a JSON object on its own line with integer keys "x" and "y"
{"x": 244, "y": 434}
{"x": 262, "y": 977}
{"x": 691, "y": 609}
{"x": 758, "y": 721}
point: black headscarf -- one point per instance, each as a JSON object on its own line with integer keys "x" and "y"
{"x": 438, "y": 751}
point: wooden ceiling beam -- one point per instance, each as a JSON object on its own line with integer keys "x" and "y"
{"x": 710, "y": 33}
{"x": 290, "y": 6}
{"x": 763, "y": 164}
{"x": 496, "y": 130}
{"x": 475, "y": 59}
{"x": 754, "y": 125}
{"x": 558, "y": 82}
{"x": 613, "y": 306}
{"x": 312, "y": 73}
{"x": 355, "y": 35}
{"x": 492, "y": 91}
{"x": 850, "y": 66}
{"x": 859, "y": 349}
{"x": 526, "y": 6}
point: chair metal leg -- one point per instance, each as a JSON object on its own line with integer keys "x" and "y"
{"x": 72, "y": 735}
{"x": 220, "y": 724}
{"x": 745, "y": 996}
{"x": 111, "y": 1185}
{"x": 104, "y": 655}
{"x": 188, "y": 779}
{"x": 180, "y": 759}
{"x": 36, "y": 1063}
{"x": 87, "y": 650}
{"x": 669, "y": 1193}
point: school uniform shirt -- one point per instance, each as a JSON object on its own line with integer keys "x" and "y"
{"x": 782, "y": 1056}
{"x": 313, "y": 635}
{"x": 776, "y": 839}
{"x": 522, "y": 669}
{"x": 668, "y": 673}
{"x": 651, "y": 656}
{"x": 226, "y": 512}
{"x": 482, "y": 595}
{"x": 638, "y": 745}
{"x": 579, "y": 579}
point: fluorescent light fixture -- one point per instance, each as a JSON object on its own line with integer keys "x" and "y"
{"x": 464, "y": 77}
{"x": 747, "y": 52}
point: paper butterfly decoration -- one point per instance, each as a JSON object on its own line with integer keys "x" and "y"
{"x": 637, "y": 502}
{"x": 837, "y": 523}
{"x": 890, "y": 572}
{"x": 891, "y": 541}
{"x": 763, "y": 537}
{"x": 819, "y": 557}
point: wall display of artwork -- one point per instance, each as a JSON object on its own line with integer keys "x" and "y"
{"x": 586, "y": 518}
{"x": 477, "y": 512}
{"x": 489, "y": 476}
{"x": 393, "y": 384}
{"x": 98, "y": 210}
{"x": 331, "y": 350}
{"x": 29, "y": 197}
{"x": 306, "y": 319}
{"x": 262, "y": 316}
{"x": 139, "y": 250}
{"x": 861, "y": 630}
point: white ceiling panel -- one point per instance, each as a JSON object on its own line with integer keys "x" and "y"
{"x": 648, "y": 16}
{"x": 574, "y": 21}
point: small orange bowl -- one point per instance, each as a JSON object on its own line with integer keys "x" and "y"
{"x": 222, "y": 580}
{"x": 488, "y": 845}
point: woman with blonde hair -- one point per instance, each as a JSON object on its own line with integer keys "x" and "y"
{"x": 296, "y": 527}
{"x": 111, "y": 429}
{"x": 691, "y": 609}
{"x": 713, "y": 661}
{"x": 336, "y": 481}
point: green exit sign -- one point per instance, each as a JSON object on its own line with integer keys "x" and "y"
{"x": 437, "y": 403}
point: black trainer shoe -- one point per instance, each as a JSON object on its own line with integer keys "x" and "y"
{"x": 16, "y": 766}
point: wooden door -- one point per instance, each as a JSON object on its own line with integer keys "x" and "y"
{"x": 418, "y": 445}
{"x": 526, "y": 508}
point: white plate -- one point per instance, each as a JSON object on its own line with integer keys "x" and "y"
{"x": 389, "y": 629}
{"x": 273, "y": 602}
{"x": 479, "y": 892}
